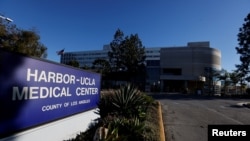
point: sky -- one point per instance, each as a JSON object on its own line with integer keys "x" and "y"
{"x": 81, "y": 25}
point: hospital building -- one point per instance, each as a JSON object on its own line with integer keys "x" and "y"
{"x": 169, "y": 69}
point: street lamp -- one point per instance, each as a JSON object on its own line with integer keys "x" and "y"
{"x": 6, "y": 18}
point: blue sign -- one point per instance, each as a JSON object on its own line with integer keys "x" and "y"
{"x": 34, "y": 92}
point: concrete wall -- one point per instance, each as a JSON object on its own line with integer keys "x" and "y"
{"x": 191, "y": 60}
{"x": 58, "y": 130}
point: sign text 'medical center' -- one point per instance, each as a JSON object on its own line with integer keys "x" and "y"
{"x": 25, "y": 93}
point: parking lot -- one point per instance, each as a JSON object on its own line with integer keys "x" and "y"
{"x": 186, "y": 117}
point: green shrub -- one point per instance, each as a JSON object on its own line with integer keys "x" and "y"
{"x": 105, "y": 106}
{"x": 125, "y": 129}
{"x": 127, "y": 101}
{"x": 123, "y": 113}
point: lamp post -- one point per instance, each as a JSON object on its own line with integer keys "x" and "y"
{"x": 6, "y": 18}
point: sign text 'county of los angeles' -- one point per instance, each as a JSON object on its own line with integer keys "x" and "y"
{"x": 34, "y": 92}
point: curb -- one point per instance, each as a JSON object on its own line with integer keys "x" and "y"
{"x": 162, "y": 132}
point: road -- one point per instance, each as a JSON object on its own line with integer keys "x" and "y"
{"x": 186, "y": 117}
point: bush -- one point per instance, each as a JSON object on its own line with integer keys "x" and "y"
{"x": 127, "y": 101}
{"x": 125, "y": 129}
{"x": 105, "y": 106}
{"x": 123, "y": 114}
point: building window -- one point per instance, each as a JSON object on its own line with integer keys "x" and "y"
{"x": 153, "y": 62}
{"x": 153, "y": 73}
{"x": 172, "y": 71}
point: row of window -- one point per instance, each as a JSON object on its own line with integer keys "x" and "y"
{"x": 86, "y": 54}
{"x": 153, "y": 62}
{"x": 103, "y": 54}
{"x": 152, "y": 51}
{"x": 153, "y": 56}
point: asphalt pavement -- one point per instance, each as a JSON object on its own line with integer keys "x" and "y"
{"x": 186, "y": 118}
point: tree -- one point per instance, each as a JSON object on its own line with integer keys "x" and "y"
{"x": 223, "y": 76}
{"x": 73, "y": 63}
{"x": 22, "y": 41}
{"x": 212, "y": 77}
{"x": 127, "y": 55}
{"x": 235, "y": 79}
{"x": 241, "y": 76}
{"x": 244, "y": 49}
{"x": 116, "y": 51}
{"x": 133, "y": 56}
{"x": 101, "y": 66}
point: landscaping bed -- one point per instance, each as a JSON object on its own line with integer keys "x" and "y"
{"x": 125, "y": 114}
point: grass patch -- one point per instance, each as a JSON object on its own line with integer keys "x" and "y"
{"x": 152, "y": 127}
